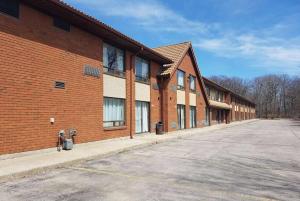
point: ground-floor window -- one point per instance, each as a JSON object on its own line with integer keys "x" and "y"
{"x": 114, "y": 112}
{"x": 219, "y": 116}
{"x": 181, "y": 116}
{"x": 141, "y": 117}
{"x": 193, "y": 120}
{"x": 207, "y": 116}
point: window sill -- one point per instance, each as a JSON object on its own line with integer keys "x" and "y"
{"x": 142, "y": 82}
{"x": 115, "y": 128}
{"x": 115, "y": 75}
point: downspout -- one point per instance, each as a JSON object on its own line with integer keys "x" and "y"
{"x": 131, "y": 90}
{"x": 162, "y": 100}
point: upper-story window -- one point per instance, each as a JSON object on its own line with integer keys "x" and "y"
{"x": 10, "y": 7}
{"x": 61, "y": 24}
{"x": 207, "y": 91}
{"x": 220, "y": 96}
{"x": 192, "y": 83}
{"x": 180, "y": 79}
{"x": 113, "y": 60}
{"x": 142, "y": 68}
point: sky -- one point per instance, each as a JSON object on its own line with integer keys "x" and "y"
{"x": 244, "y": 38}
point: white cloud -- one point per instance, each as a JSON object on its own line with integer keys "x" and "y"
{"x": 150, "y": 14}
{"x": 282, "y": 55}
{"x": 259, "y": 47}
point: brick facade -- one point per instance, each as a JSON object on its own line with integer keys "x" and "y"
{"x": 34, "y": 54}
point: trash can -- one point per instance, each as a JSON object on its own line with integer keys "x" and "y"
{"x": 68, "y": 144}
{"x": 159, "y": 128}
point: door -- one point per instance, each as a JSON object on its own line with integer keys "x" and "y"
{"x": 219, "y": 116}
{"x": 193, "y": 120}
{"x": 141, "y": 117}
{"x": 181, "y": 116}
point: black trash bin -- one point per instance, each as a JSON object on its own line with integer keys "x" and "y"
{"x": 159, "y": 128}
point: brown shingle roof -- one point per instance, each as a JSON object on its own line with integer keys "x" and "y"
{"x": 174, "y": 52}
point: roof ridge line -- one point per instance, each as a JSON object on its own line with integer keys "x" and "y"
{"x": 187, "y": 42}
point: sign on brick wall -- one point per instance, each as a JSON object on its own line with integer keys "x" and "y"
{"x": 91, "y": 71}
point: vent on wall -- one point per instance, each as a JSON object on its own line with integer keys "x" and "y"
{"x": 91, "y": 71}
{"x": 59, "y": 85}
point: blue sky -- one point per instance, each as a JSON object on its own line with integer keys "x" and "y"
{"x": 244, "y": 38}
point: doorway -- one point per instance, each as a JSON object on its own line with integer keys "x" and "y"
{"x": 141, "y": 117}
{"x": 181, "y": 116}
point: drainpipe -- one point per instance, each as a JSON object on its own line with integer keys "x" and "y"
{"x": 161, "y": 88}
{"x": 131, "y": 90}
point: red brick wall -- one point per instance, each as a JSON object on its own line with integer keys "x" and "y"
{"x": 34, "y": 54}
{"x": 155, "y": 95}
{"x": 187, "y": 65}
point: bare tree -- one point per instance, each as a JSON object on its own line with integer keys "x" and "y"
{"x": 276, "y": 96}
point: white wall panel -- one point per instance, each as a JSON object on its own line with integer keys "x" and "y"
{"x": 114, "y": 86}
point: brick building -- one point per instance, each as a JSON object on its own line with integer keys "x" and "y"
{"x": 227, "y": 106}
{"x": 61, "y": 69}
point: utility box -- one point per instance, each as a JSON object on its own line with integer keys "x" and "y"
{"x": 68, "y": 144}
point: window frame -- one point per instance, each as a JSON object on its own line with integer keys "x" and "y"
{"x": 195, "y": 119}
{"x": 114, "y": 122}
{"x": 10, "y": 12}
{"x": 145, "y": 79}
{"x": 179, "y": 108}
{"x": 61, "y": 24}
{"x": 194, "y": 78}
{"x": 114, "y": 71}
{"x": 179, "y": 87}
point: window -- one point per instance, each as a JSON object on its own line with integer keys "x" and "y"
{"x": 62, "y": 24}
{"x": 113, "y": 60}
{"x": 192, "y": 83}
{"x": 207, "y": 116}
{"x": 141, "y": 70}
{"x": 141, "y": 117}
{"x": 180, "y": 79}
{"x": 207, "y": 91}
{"x": 10, "y": 7}
{"x": 193, "y": 113}
{"x": 181, "y": 116}
{"x": 114, "y": 112}
{"x": 221, "y": 96}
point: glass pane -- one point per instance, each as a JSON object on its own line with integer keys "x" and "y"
{"x": 192, "y": 83}
{"x": 141, "y": 69}
{"x": 180, "y": 78}
{"x": 113, "y": 109}
{"x": 113, "y": 58}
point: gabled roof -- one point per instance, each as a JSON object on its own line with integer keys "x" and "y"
{"x": 77, "y": 18}
{"x": 176, "y": 53}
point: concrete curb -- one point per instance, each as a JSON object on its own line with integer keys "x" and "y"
{"x": 8, "y": 171}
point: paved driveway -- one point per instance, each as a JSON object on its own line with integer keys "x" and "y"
{"x": 254, "y": 161}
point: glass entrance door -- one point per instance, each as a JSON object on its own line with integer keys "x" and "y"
{"x": 141, "y": 117}
{"x": 181, "y": 116}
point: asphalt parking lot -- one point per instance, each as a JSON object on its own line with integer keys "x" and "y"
{"x": 255, "y": 161}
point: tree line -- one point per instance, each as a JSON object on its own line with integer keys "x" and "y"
{"x": 275, "y": 96}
